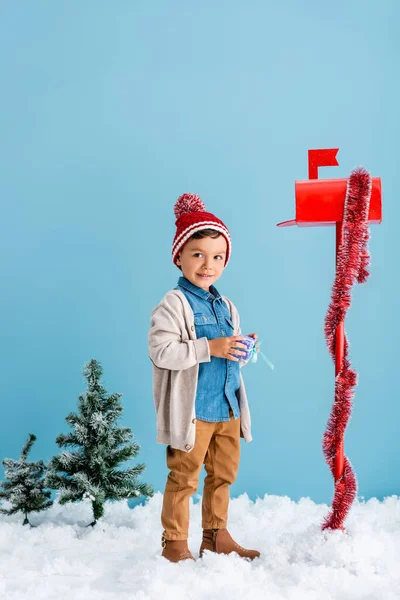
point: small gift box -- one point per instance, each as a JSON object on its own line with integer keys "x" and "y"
{"x": 251, "y": 352}
{"x": 249, "y": 342}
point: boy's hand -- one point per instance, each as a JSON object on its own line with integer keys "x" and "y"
{"x": 224, "y": 347}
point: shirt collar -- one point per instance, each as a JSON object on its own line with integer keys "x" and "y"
{"x": 188, "y": 285}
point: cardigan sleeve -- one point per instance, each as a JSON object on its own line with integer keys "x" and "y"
{"x": 167, "y": 350}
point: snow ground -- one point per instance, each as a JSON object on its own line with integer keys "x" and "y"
{"x": 121, "y": 557}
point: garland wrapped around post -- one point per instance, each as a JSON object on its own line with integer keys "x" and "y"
{"x": 352, "y": 263}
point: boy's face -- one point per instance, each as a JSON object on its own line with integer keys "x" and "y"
{"x": 205, "y": 256}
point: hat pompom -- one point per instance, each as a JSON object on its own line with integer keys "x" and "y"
{"x": 188, "y": 203}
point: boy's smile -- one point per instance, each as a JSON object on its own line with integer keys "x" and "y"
{"x": 202, "y": 260}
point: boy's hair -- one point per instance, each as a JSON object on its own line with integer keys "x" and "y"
{"x": 202, "y": 234}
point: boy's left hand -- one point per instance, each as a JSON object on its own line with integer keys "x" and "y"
{"x": 255, "y": 336}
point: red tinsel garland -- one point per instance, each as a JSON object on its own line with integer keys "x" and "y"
{"x": 352, "y": 263}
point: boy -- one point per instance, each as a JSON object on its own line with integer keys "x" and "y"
{"x": 199, "y": 393}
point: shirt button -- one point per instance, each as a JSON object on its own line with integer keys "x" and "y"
{"x": 192, "y": 328}
{"x": 194, "y": 420}
{"x": 188, "y": 446}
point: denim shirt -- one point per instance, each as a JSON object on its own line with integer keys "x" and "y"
{"x": 218, "y": 380}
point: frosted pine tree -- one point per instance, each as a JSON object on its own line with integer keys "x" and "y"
{"x": 90, "y": 470}
{"x": 25, "y": 485}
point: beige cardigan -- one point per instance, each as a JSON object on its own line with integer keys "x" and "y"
{"x": 176, "y": 353}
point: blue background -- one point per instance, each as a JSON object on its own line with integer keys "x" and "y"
{"x": 110, "y": 111}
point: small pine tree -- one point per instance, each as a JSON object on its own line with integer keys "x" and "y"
{"x": 91, "y": 471}
{"x": 25, "y": 485}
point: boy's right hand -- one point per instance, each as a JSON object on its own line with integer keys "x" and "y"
{"x": 224, "y": 347}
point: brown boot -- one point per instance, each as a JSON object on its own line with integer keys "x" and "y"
{"x": 221, "y": 542}
{"x": 175, "y": 550}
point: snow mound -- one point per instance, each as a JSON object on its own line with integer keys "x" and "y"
{"x": 121, "y": 558}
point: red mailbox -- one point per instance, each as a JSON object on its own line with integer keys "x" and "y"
{"x": 349, "y": 204}
{"x": 320, "y": 202}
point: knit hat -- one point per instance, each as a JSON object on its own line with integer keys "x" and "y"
{"x": 191, "y": 216}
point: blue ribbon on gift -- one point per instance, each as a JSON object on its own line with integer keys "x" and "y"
{"x": 254, "y": 355}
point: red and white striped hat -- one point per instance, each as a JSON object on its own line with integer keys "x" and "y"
{"x": 191, "y": 216}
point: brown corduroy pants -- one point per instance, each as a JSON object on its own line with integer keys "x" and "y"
{"x": 217, "y": 445}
